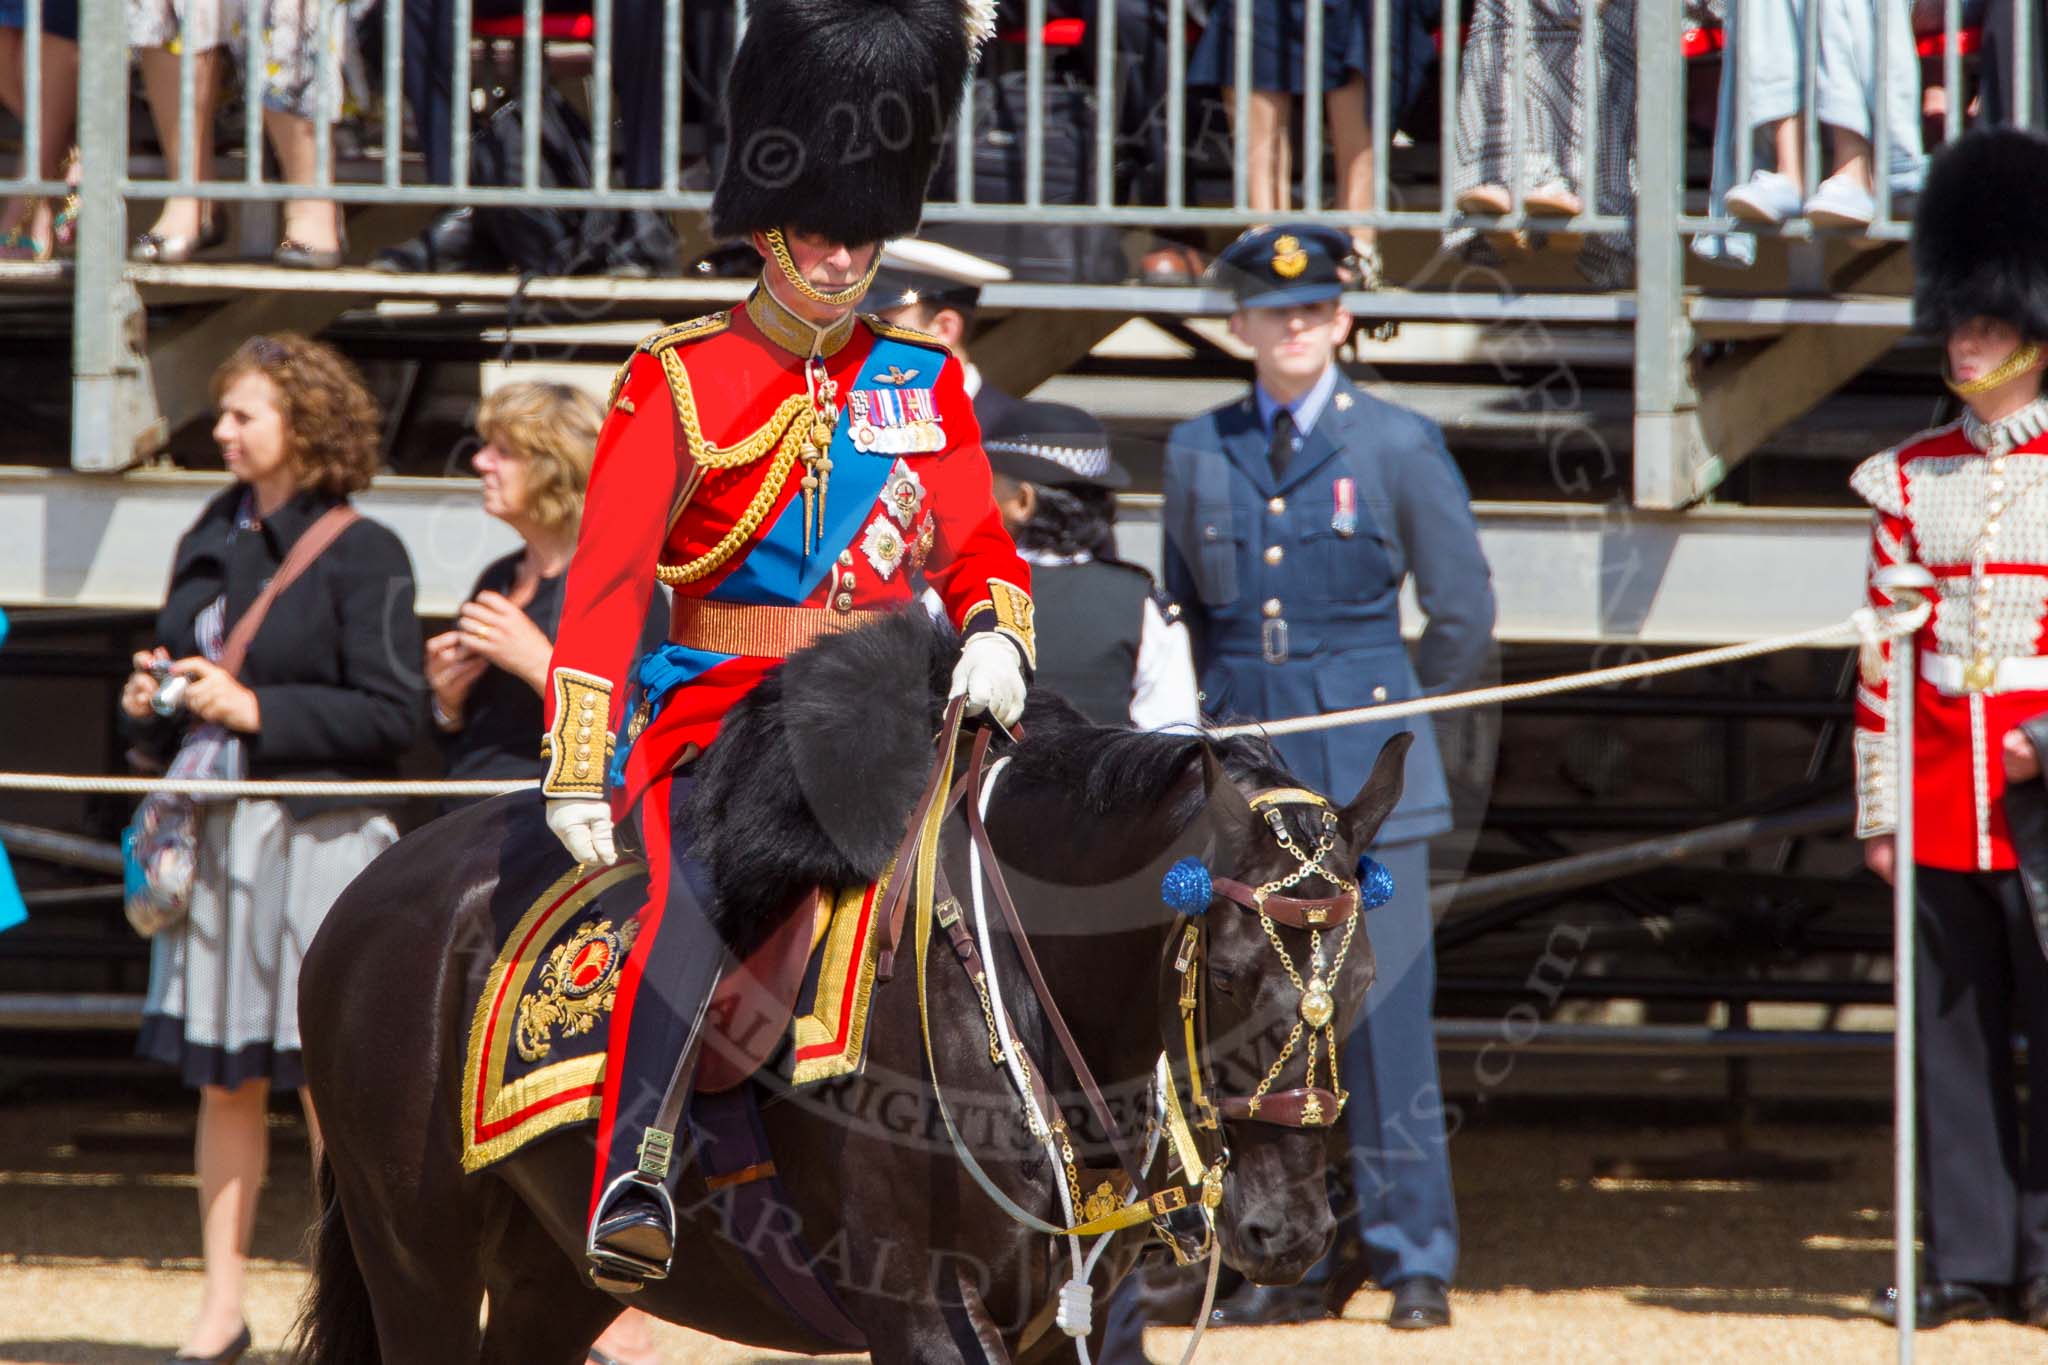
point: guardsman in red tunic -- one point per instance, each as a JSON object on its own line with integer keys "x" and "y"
{"x": 786, "y": 468}
{"x": 1968, "y": 503}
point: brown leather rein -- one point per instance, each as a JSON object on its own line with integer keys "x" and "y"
{"x": 1302, "y": 1107}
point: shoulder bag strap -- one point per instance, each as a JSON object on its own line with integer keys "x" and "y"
{"x": 321, "y": 534}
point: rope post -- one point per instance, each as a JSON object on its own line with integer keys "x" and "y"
{"x": 1907, "y": 584}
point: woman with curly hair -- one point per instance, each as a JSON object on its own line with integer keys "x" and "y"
{"x": 325, "y": 688}
{"x": 487, "y": 674}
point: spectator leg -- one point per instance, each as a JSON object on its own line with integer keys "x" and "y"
{"x": 1268, "y": 156}
{"x": 429, "y": 78}
{"x": 1481, "y": 147}
{"x": 231, "y": 1150}
{"x": 1788, "y": 142}
{"x": 1351, "y": 145}
{"x": 1848, "y": 86}
{"x": 315, "y": 223}
{"x": 31, "y": 223}
{"x": 11, "y": 48}
{"x": 1969, "y": 1138}
{"x": 636, "y": 87}
{"x": 1769, "y": 74}
{"x": 182, "y": 217}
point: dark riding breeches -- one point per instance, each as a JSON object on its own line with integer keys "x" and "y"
{"x": 671, "y": 971}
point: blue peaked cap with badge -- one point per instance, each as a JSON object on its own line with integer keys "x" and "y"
{"x": 1289, "y": 263}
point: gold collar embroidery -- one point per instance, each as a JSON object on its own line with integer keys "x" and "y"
{"x": 792, "y": 333}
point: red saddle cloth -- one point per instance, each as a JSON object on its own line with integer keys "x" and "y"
{"x": 535, "y": 1058}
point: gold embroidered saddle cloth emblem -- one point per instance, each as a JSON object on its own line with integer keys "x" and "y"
{"x": 535, "y": 1059}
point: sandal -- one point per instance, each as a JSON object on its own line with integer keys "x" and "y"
{"x": 19, "y": 244}
{"x": 64, "y": 227}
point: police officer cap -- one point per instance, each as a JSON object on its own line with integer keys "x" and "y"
{"x": 1290, "y": 263}
{"x": 931, "y": 273}
{"x": 1052, "y": 444}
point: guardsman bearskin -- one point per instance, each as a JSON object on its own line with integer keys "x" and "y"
{"x": 1961, "y": 515}
{"x": 786, "y": 468}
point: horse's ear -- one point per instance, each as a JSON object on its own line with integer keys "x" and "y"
{"x": 1230, "y": 815}
{"x": 1376, "y": 799}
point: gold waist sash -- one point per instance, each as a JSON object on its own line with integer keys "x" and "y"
{"x": 760, "y": 632}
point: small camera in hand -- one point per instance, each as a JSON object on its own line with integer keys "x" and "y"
{"x": 169, "y": 697}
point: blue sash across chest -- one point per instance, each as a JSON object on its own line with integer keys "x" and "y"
{"x": 775, "y": 570}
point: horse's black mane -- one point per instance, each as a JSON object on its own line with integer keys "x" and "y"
{"x": 1111, "y": 769}
{"x": 816, "y": 772}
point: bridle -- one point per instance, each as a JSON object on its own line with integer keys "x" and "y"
{"x": 1181, "y": 1214}
{"x": 1307, "y": 1105}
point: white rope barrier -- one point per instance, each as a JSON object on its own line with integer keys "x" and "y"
{"x": 1863, "y": 627}
{"x": 81, "y": 784}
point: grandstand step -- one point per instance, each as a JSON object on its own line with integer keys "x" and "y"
{"x": 1563, "y": 572}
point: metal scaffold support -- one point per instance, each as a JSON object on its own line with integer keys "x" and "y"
{"x": 114, "y": 417}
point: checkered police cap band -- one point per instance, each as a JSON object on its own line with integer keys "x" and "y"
{"x": 1089, "y": 462}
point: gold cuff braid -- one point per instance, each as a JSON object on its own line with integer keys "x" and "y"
{"x": 578, "y": 748}
{"x": 1013, "y": 612}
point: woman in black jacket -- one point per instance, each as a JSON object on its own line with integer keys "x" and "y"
{"x": 329, "y": 689}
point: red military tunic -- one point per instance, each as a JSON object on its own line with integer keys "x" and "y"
{"x": 1969, "y": 502}
{"x": 906, "y": 503}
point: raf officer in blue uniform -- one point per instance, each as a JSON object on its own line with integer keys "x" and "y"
{"x": 1293, "y": 517}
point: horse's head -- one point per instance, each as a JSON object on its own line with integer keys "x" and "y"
{"x": 1274, "y": 964}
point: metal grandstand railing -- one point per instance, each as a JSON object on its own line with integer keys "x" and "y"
{"x": 1673, "y": 468}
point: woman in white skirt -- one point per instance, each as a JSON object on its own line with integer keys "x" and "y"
{"x": 328, "y": 689}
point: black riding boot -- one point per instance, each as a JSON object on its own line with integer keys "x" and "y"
{"x": 652, "y": 1061}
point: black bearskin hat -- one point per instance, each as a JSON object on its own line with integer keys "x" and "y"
{"x": 835, "y": 112}
{"x": 1979, "y": 247}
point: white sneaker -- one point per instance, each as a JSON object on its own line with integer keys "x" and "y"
{"x": 1768, "y": 198}
{"x": 1841, "y": 202}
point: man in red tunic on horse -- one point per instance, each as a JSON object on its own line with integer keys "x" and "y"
{"x": 787, "y": 468}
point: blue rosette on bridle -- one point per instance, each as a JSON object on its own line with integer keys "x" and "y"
{"x": 1187, "y": 887}
{"x": 1375, "y": 882}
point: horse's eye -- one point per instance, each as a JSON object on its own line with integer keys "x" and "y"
{"x": 1223, "y": 979}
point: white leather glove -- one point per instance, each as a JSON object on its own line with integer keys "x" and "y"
{"x": 990, "y": 675}
{"x": 584, "y": 827}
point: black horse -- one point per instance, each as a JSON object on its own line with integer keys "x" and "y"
{"x": 811, "y": 780}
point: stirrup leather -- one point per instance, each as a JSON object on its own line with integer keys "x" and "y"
{"x": 621, "y": 1271}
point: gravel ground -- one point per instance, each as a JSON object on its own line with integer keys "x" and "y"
{"x": 98, "y": 1248}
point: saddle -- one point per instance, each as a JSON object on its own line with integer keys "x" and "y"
{"x": 536, "y": 1050}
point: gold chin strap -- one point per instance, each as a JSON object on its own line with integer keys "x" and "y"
{"x": 850, "y": 294}
{"x": 2018, "y": 363}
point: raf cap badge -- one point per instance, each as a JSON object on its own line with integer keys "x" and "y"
{"x": 1289, "y": 259}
